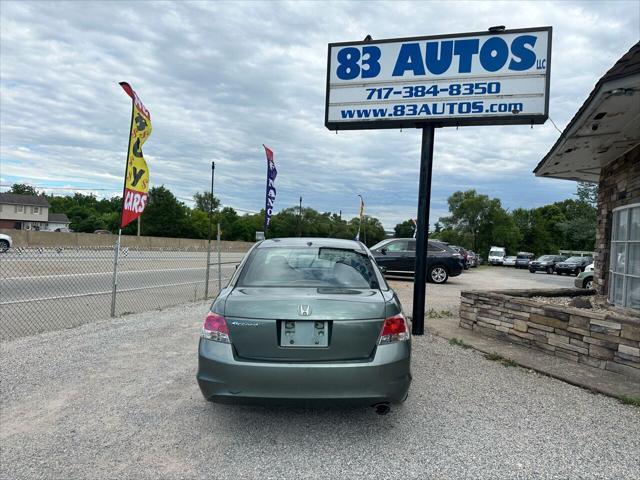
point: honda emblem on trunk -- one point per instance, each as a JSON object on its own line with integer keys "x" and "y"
{"x": 304, "y": 310}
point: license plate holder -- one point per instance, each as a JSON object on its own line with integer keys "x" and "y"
{"x": 304, "y": 333}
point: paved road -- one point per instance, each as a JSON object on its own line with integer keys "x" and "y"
{"x": 118, "y": 399}
{"x": 46, "y": 290}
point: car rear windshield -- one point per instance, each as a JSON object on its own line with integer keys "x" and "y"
{"x": 308, "y": 266}
{"x": 524, "y": 255}
{"x": 496, "y": 253}
{"x": 574, "y": 259}
{"x": 546, "y": 258}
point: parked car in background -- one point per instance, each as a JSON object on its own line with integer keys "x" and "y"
{"x": 584, "y": 280}
{"x": 397, "y": 257}
{"x": 497, "y": 255}
{"x": 102, "y": 232}
{"x": 306, "y": 319}
{"x": 509, "y": 261}
{"x": 464, "y": 255}
{"x": 573, "y": 265}
{"x": 523, "y": 259}
{"x": 546, "y": 263}
{"x": 5, "y": 242}
{"x": 473, "y": 258}
{"x": 589, "y": 268}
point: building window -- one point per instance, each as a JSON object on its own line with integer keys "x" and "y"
{"x": 19, "y": 208}
{"x": 35, "y": 210}
{"x": 624, "y": 267}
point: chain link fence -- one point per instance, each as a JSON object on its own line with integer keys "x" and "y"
{"x": 45, "y": 289}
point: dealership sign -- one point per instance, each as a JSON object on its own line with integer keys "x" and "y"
{"x": 486, "y": 78}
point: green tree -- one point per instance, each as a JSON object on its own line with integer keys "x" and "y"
{"x": 23, "y": 189}
{"x": 164, "y": 215}
{"x": 588, "y": 193}
{"x": 206, "y": 200}
{"x": 405, "y": 229}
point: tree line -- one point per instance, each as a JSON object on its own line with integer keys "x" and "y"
{"x": 166, "y": 216}
{"x": 477, "y": 222}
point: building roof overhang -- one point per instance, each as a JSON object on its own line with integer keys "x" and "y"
{"x": 606, "y": 127}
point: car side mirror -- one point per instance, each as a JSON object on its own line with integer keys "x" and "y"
{"x": 383, "y": 251}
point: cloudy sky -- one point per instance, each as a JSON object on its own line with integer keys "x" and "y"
{"x": 222, "y": 78}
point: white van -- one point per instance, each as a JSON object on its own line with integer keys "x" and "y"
{"x": 497, "y": 255}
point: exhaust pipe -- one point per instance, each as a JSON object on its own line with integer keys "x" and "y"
{"x": 382, "y": 408}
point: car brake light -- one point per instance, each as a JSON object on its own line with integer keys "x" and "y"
{"x": 215, "y": 328}
{"x": 395, "y": 329}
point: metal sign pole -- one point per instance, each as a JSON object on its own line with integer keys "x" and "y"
{"x": 422, "y": 234}
{"x": 114, "y": 283}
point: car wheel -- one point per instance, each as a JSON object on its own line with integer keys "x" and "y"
{"x": 588, "y": 284}
{"x": 532, "y": 271}
{"x": 549, "y": 270}
{"x": 4, "y": 245}
{"x": 438, "y": 274}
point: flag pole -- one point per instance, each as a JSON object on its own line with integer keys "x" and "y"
{"x": 360, "y": 222}
{"x": 114, "y": 287}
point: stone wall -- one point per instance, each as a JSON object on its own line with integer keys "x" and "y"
{"x": 619, "y": 185}
{"x": 606, "y": 340}
{"x": 32, "y": 238}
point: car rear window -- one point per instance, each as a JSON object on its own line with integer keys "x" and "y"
{"x": 573, "y": 259}
{"x": 308, "y": 266}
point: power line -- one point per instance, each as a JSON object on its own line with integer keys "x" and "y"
{"x": 554, "y": 124}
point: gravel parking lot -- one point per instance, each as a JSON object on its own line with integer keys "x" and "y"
{"x": 118, "y": 399}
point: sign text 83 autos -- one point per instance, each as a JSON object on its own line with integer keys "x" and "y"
{"x": 504, "y": 74}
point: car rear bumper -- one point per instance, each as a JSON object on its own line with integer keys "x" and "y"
{"x": 225, "y": 379}
{"x": 567, "y": 269}
{"x": 539, "y": 268}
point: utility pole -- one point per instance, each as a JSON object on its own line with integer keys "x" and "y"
{"x": 206, "y": 280}
{"x": 300, "y": 219}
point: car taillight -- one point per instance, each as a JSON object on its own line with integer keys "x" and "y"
{"x": 215, "y": 328}
{"x": 395, "y": 329}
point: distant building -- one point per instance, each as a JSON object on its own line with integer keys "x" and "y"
{"x": 601, "y": 145}
{"x": 29, "y": 212}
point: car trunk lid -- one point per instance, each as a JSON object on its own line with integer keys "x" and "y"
{"x": 260, "y": 320}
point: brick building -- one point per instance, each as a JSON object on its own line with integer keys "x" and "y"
{"x": 601, "y": 145}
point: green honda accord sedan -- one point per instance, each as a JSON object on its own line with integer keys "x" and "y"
{"x": 306, "y": 320}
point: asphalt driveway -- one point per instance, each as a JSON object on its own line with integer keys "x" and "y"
{"x": 118, "y": 399}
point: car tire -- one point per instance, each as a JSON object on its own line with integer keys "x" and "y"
{"x": 588, "y": 284}
{"x": 532, "y": 271}
{"x": 4, "y": 246}
{"x": 549, "y": 270}
{"x": 438, "y": 274}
